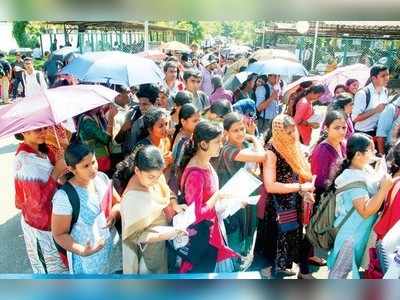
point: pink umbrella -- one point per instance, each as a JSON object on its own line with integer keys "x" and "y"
{"x": 332, "y": 79}
{"x": 342, "y": 74}
{"x": 51, "y": 107}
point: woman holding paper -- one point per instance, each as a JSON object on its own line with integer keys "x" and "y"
{"x": 144, "y": 224}
{"x": 304, "y": 112}
{"x": 91, "y": 239}
{"x": 199, "y": 183}
{"x": 287, "y": 175}
{"x": 239, "y": 150}
{"x": 359, "y": 205}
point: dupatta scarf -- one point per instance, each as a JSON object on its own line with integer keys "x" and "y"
{"x": 140, "y": 209}
{"x": 289, "y": 148}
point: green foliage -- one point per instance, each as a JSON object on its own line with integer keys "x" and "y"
{"x": 26, "y": 34}
{"x": 37, "y": 63}
{"x": 194, "y": 28}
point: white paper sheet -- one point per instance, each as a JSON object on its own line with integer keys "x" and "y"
{"x": 163, "y": 229}
{"x": 184, "y": 219}
{"x": 99, "y": 229}
{"x": 240, "y": 186}
{"x": 243, "y": 183}
{"x": 316, "y": 118}
{"x": 380, "y": 169}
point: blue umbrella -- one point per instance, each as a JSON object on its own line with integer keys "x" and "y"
{"x": 279, "y": 67}
{"x": 81, "y": 64}
{"x": 115, "y": 67}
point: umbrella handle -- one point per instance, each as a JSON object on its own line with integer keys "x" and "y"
{"x": 55, "y": 133}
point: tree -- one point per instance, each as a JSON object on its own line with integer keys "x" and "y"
{"x": 26, "y": 33}
{"x": 195, "y": 29}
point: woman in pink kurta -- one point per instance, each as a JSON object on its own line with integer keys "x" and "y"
{"x": 199, "y": 184}
{"x": 304, "y": 110}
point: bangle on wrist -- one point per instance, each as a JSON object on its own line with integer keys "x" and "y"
{"x": 300, "y": 188}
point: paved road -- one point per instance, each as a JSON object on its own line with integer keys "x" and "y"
{"x": 12, "y": 247}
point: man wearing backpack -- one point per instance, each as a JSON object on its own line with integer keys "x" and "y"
{"x": 33, "y": 80}
{"x": 370, "y": 101}
{"x": 267, "y": 103}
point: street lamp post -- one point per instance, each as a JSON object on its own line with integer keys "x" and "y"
{"x": 302, "y": 28}
{"x": 315, "y": 45}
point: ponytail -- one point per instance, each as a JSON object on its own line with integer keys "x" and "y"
{"x": 178, "y": 128}
{"x": 186, "y": 112}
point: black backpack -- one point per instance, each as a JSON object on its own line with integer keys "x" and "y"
{"x": 73, "y": 198}
{"x": 2, "y": 72}
{"x": 367, "y": 97}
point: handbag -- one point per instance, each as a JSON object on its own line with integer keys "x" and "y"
{"x": 286, "y": 218}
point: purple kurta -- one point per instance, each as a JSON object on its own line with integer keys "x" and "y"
{"x": 325, "y": 161}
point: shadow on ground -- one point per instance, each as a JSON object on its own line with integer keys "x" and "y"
{"x": 12, "y": 248}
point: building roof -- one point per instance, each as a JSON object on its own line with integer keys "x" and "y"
{"x": 388, "y": 30}
{"x": 113, "y": 25}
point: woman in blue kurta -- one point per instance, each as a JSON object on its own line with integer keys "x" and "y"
{"x": 352, "y": 238}
{"x": 92, "y": 240}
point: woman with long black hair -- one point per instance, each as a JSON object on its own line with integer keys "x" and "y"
{"x": 199, "y": 183}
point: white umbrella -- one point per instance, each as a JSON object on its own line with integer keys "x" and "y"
{"x": 279, "y": 67}
{"x": 175, "y": 46}
{"x": 266, "y": 54}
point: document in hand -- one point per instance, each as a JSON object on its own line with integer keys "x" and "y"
{"x": 238, "y": 188}
{"x": 182, "y": 221}
{"x": 316, "y": 118}
{"x": 99, "y": 229}
{"x": 380, "y": 168}
{"x": 185, "y": 218}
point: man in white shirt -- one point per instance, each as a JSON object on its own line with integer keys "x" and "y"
{"x": 370, "y": 101}
{"x": 34, "y": 80}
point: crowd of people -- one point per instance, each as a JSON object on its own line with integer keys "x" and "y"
{"x": 132, "y": 166}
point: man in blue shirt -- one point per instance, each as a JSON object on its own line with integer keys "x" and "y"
{"x": 267, "y": 103}
{"x": 386, "y": 123}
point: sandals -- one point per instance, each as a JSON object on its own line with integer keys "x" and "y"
{"x": 305, "y": 276}
{"x": 266, "y": 273}
{"x": 317, "y": 261}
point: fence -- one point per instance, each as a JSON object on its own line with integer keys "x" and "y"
{"x": 93, "y": 40}
{"x": 331, "y": 52}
